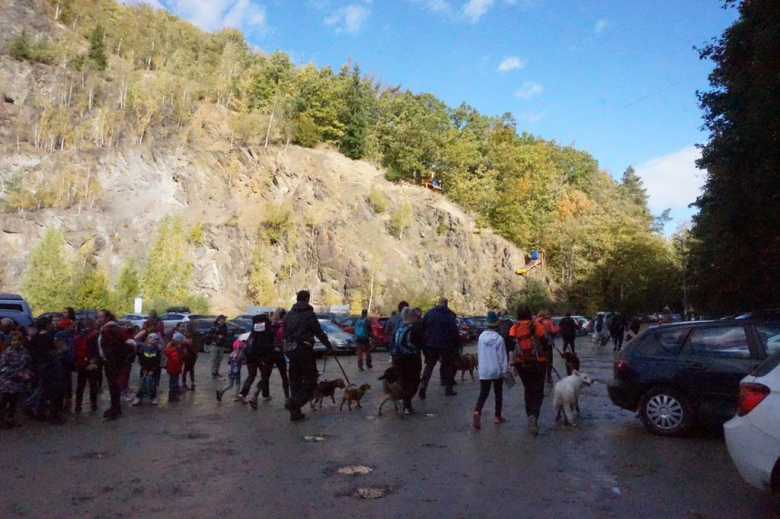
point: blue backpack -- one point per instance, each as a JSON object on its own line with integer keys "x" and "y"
{"x": 401, "y": 344}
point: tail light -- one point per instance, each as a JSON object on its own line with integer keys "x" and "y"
{"x": 750, "y": 395}
{"x": 621, "y": 368}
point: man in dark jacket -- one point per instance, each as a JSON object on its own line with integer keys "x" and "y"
{"x": 568, "y": 327}
{"x": 115, "y": 354}
{"x": 301, "y": 326}
{"x": 441, "y": 344}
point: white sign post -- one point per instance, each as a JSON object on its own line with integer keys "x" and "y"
{"x": 139, "y": 305}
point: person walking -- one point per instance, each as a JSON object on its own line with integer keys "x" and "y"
{"x": 273, "y": 359}
{"x": 87, "y": 364}
{"x": 189, "y": 356}
{"x": 149, "y": 358}
{"x": 568, "y": 327}
{"x": 617, "y": 331}
{"x": 363, "y": 335}
{"x": 442, "y": 344}
{"x": 174, "y": 368}
{"x": 258, "y": 346}
{"x": 115, "y": 351}
{"x": 300, "y": 328}
{"x": 15, "y": 374}
{"x": 219, "y": 337}
{"x": 406, "y": 345}
{"x": 395, "y": 320}
{"x": 493, "y": 365}
{"x": 235, "y": 363}
{"x": 530, "y": 363}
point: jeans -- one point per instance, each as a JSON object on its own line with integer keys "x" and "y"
{"x": 173, "y": 386}
{"x": 148, "y": 387}
{"x": 266, "y": 368}
{"x": 532, "y": 375}
{"x": 251, "y": 368}
{"x": 449, "y": 366}
{"x": 568, "y": 342}
{"x": 217, "y": 352}
{"x": 363, "y": 348}
{"x": 232, "y": 382}
{"x": 84, "y": 377}
{"x": 484, "y": 391}
{"x": 617, "y": 341}
{"x": 303, "y": 377}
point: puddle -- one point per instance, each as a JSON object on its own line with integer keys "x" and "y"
{"x": 372, "y": 492}
{"x": 352, "y": 470}
{"x": 315, "y": 438}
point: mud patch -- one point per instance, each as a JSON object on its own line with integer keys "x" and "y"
{"x": 355, "y": 470}
{"x": 372, "y": 492}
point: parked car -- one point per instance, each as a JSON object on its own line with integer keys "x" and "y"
{"x": 134, "y": 319}
{"x": 479, "y": 323}
{"x": 16, "y": 303}
{"x": 753, "y": 436}
{"x": 178, "y": 310}
{"x": 84, "y": 313}
{"x": 244, "y": 324}
{"x": 673, "y": 375}
{"x": 203, "y": 325}
{"x": 770, "y": 313}
{"x": 341, "y": 341}
{"x": 466, "y": 329}
{"x": 378, "y": 338}
{"x": 170, "y": 320}
{"x": 19, "y": 318}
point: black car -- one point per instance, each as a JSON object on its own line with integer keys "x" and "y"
{"x": 202, "y": 341}
{"x": 673, "y": 375}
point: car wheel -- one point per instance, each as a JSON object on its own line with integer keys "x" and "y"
{"x": 665, "y": 412}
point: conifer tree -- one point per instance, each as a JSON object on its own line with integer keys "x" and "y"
{"x": 47, "y": 283}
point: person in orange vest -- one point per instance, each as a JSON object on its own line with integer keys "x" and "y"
{"x": 530, "y": 362}
{"x": 543, "y": 318}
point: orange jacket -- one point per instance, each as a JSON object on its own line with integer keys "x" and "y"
{"x": 524, "y": 332}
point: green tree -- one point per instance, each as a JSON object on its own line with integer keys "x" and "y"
{"x": 356, "y": 117}
{"x": 535, "y": 294}
{"x": 128, "y": 287}
{"x": 97, "y": 50}
{"x": 48, "y": 279}
{"x": 631, "y": 185}
{"x": 736, "y": 233}
{"x": 90, "y": 290}
{"x": 168, "y": 269}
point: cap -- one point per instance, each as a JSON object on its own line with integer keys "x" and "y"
{"x": 492, "y": 319}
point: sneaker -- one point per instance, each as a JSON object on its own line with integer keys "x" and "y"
{"x": 475, "y": 419}
{"x": 408, "y": 411}
{"x": 297, "y": 417}
{"x": 499, "y": 420}
{"x": 219, "y": 396}
{"x": 267, "y": 398}
{"x": 450, "y": 392}
{"x": 136, "y": 402}
{"x": 253, "y": 403}
{"x": 154, "y": 401}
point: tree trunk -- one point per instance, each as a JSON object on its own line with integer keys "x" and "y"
{"x": 270, "y": 122}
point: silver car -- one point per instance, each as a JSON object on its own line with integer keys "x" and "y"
{"x": 341, "y": 341}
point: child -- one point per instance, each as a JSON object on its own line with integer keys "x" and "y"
{"x": 149, "y": 359}
{"x": 174, "y": 369}
{"x": 493, "y": 364}
{"x": 15, "y": 375}
{"x": 190, "y": 357}
{"x": 235, "y": 361}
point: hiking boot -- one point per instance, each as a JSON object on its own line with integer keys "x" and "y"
{"x": 297, "y": 417}
{"x": 242, "y": 399}
{"x": 475, "y": 419}
{"x": 449, "y": 392}
{"x": 533, "y": 426}
{"x": 219, "y": 396}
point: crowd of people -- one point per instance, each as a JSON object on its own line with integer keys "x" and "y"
{"x": 38, "y": 364}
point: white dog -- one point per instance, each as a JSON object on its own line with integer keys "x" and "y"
{"x": 567, "y": 395}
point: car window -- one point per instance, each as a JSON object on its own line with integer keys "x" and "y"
{"x": 12, "y": 306}
{"x": 660, "y": 343}
{"x": 728, "y": 341}
{"x": 767, "y": 366}
{"x": 329, "y": 328}
{"x": 770, "y": 337}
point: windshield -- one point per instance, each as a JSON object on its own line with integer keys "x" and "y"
{"x": 330, "y": 328}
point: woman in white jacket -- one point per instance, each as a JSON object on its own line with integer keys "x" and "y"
{"x": 493, "y": 365}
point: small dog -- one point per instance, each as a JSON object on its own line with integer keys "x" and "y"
{"x": 392, "y": 388}
{"x": 326, "y": 388}
{"x": 354, "y": 394}
{"x": 566, "y": 398}
{"x": 468, "y": 362}
{"x": 572, "y": 361}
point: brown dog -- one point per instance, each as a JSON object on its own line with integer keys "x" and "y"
{"x": 354, "y": 394}
{"x": 468, "y": 362}
{"x": 326, "y": 388}
{"x": 572, "y": 362}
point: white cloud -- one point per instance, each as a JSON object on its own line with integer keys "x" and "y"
{"x": 349, "y": 19}
{"x": 212, "y": 15}
{"x": 531, "y": 117}
{"x": 672, "y": 181}
{"x": 246, "y": 15}
{"x": 529, "y": 89}
{"x": 474, "y": 9}
{"x": 600, "y": 26}
{"x": 511, "y": 63}
{"x": 435, "y": 6}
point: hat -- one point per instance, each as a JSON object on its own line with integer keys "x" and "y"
{"x": 64, "y": 323}
{"x": 492, "y": 319}
{"x": 153, "y": 337}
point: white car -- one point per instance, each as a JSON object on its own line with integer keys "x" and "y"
{"x": 753, "y": 436}
{"x": 134, "y": 319}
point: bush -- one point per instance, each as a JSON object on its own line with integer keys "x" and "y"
{"x": 21, "y": 49}
{"x": 279, "y": 225}
{"x": 535, "y": 294}
{"x": 378, "y": 201}
{"x": 400, "y": 220}
{"x": 195, "y": 236}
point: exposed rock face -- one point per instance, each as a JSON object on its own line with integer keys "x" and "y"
{"x": 338, "y": 242}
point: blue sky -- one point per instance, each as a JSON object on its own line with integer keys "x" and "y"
{"x": 614, "y": 77}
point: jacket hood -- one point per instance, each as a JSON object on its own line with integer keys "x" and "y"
{"x": 300, "y": 306}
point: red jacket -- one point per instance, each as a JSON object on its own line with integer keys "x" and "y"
{"x": 173, "y": 355}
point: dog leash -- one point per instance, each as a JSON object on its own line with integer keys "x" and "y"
{"x": 342, "y": 369}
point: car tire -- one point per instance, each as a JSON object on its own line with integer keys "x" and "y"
{"x": 775, "y": 478}
{"x": 666, "y": 412}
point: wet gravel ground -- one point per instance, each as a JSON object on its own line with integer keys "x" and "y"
{"x": 200, "y": 458}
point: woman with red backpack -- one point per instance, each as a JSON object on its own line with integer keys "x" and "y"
{"x": 531, "y": 360}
